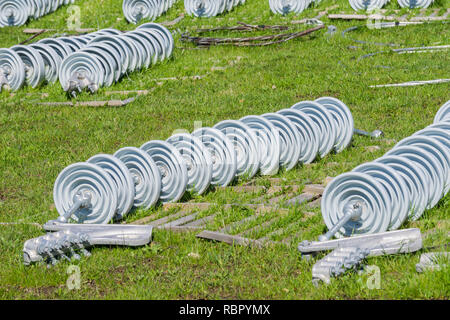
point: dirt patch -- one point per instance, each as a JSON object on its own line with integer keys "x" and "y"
{"x": 43, "y": 291}
{"x": 3, "y": 196}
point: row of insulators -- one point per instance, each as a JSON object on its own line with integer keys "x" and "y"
{"x": 409, "y": 179}
{"x": 39, "y": 63}
{"x": 17, "y": 12}
{"x": 107, "y": 187}
{"x": 137, "y": 10}
{"x": 106, "y": 59}
{"x": 369, "y": 5}
{"x": 209, "y": 8}
{"x": 109, "y": 53}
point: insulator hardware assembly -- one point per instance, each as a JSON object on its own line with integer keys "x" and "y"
{"x": 18, "y": 12}
{"x": 107, "y": 187}
{"x": 380, "y": 195}
{"x": 40, "y": 62}
{"x": 137, "y": 10}
{"x": 71, "y": 241}
{"x": 337, "y": 263}
{"x": 348, "y": 253}
{"x": 105, "y": 60}
{"x": 286, "y": 6}
{"x": 209, "y": 8}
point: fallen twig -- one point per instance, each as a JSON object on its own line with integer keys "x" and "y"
{"x": 33, "y": 36}
{"x": 243, "y": 27}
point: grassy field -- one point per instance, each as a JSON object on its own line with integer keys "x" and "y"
{"x": 37, "y": 142}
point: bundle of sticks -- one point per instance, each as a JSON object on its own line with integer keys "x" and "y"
{"x": 257, "y": 41}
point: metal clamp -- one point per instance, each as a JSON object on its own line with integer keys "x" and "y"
{"x": 71, "y": 239}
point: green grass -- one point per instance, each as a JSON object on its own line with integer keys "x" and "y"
{"x": 37, "y": 142}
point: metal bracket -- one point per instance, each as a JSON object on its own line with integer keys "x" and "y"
{"x": 390, "y": 242}
{"x": 78, "y": 82}
{"x": 349, "y": 252}
{"x": 374, "y": 134}
{"x": 331, "y": 30}
{"x": 337, "y": 262}
{"x": 431, "y": 261}
{"x": 71, "y": 238}
{"x": 314, "y": 21}
{"x": 3, "y": 79}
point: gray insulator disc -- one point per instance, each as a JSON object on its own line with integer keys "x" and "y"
{"x": 122, "y": 178}
{"x": 139, "y": 50}
{"x": 120, "y": 47}
{"x": 437, "y": 149}
{"x": 145, "y": 174}
{"x": 432, "y": 182}
{"x": 395, "y": 187}
{"x": 158, "y": 41}
{"x": 88, "y": 178}
{"x": 245, "y": 145}
{"x": 320, "y": 115}
{"x": 285, "y": 6}
{"x": 113, "y": 57}
{"x": 13, "y": 12}
{"x": 414, "y": 3}
{"x": 408, "y": 171}
{"x": 290, "y": 140}
{"x": 52, "y": 61}
{"x": 174, "y": 177}
{"x": 106, "y": 61}
{"x": 134, "y": 62}
{"x": 34, "y": 65}
{"x": 149, "y": 53}
{"x": 136, "y": 10}
{"x": 268, "y": 143}
{"x": 202, "y": 8}
{"x": 308, "y": 131}
{"x": 60, "y": 47}
{"x": 71, "y": 44}
{"x": 223, "y": 156}
{"x": 443, "y": 112}
{"x": 12, "y": 69}
{"x": 439, "y": 131}
{"x": 151, "y": 46}
{"x": 109, "y": 31}
{"x": 344, "y": 121}
{"x": 354, "y": 187}
{"x": 197, "y": 160}
{"x": 170, "y": 43}
{"x": 367, "y": 5}
{"x": 81, "y": 63}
